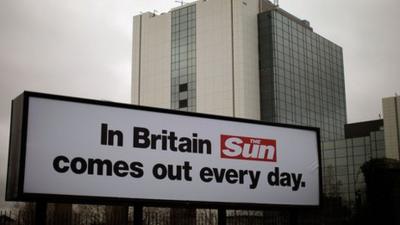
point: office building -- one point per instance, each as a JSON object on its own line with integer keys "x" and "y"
{"x": 246, "y": 58}
{"x": 252, "y": 59}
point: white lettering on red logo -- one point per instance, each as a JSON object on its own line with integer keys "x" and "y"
{"x": 248, "y": 148}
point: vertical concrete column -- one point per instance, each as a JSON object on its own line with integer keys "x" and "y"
{"x": 41, "y": 213}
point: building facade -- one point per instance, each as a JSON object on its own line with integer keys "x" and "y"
{"x": 301, "y": 75}
{"x": 202, "y": 56}
{"x": 245, "y": 58}
{"x": 342, "y": 159}
{"x": 391, "y": 115}
{"x": 251, "y": 59}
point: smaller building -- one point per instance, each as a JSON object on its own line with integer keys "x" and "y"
{"x": 343, "y": 158}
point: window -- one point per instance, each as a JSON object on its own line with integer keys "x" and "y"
{"x": 183, "y": 103}
{"x": 183, "y": 87}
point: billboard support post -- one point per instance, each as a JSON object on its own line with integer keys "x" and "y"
{"x": 41, "y": 213}
{"x": 221, "y": 216}
{"x": 294, "y": 217}
{"x": 138, "y": 214}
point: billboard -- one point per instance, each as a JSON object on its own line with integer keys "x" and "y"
{"x": 80, "y": 150}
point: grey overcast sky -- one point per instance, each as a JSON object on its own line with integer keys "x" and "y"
{"x": 83, "y": 48}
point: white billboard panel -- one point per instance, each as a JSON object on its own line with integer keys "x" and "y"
{"x": 90, "y": 149}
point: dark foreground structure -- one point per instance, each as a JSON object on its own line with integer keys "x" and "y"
{"x": 333, "y": 214}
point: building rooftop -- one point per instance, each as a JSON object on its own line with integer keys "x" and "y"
{"x": 264, "y": 5}
{"x": 362, "y": 129}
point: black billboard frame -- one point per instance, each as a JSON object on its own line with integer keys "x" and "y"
{"x": 17, "y": 151}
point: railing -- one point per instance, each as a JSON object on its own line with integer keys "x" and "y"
{"x": 329, "y": 215}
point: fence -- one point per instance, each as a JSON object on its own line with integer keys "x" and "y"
{"x": 328, "y": 215}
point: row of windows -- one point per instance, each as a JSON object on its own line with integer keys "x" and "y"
{"x": 302, "y": 47}
{"x": 184, "y": 103}
{"x": 318, "y": 117}
{"x": 308, "y": 121}
{"x": 292, "y": 53}
{"x": 315, "y": 81}
{"x": 308, "y": 51}
{"x": 183, "y": 19}
{"x": 177, "y": 71}
{"x": 313, "y": 98}
{"x": 306, "y": 44}
{"x": 183, "y": 54}
{"x": 309, "y": 72}
{"x": 176, "y": 82}
{"x": 290, "y": 102}
{"x": 357, "y": 156}
{"x": 297, "y": 39}
{"x": 184, "y": 95}
{"x": 292, "y": 95}
{"x": 293, "y": 72}
{"x": 357, "y": 143}
{"x": 289, "y": 97}
{"x": 279, "y": 18}
{"x": 177, "y": 17}
{"x": 350, "y": 162}
{"x": 290, "y": 56}
{"x": 182, "y": 33}
{"x": 305, "y": 34}
{"x": 305, "y": 119}
{"x": 184, "y": 65}
{"x": 304, "y": 64}
{"x": 297, "y": 90}
{"x": 299, "y": 82}
{"x": 307, "y": 65}
{"x": 189, "y": 80}
{"x": 179, "y": 49}
{"x": 183, "y": 11}
{"x": 184, "y": 41}
{"x": 301, "y": 40}
{"x": 353, "y": 150}
{"x": 312, "y": 121}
